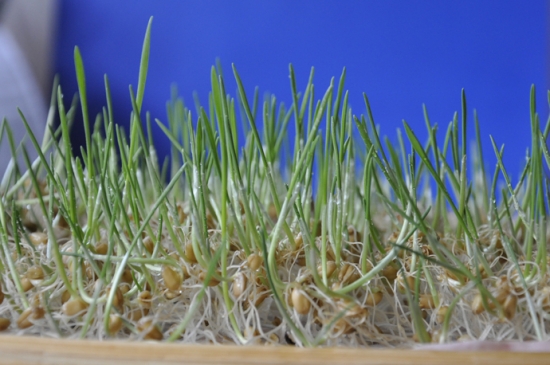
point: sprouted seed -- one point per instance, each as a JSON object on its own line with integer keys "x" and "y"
{"x": 328, "y": 237}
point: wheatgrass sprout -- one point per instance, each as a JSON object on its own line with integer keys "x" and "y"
{"x": 232, "y": 241}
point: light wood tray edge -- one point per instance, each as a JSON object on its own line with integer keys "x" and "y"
{"x": 32, "y": 350}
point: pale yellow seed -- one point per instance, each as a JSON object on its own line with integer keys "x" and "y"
{"x": 35, "y": 273}
{"x": 4, "y": 324}
{"x": 300, "y": 301}
{"x": 74, "y": 307}
{"x": 26, "y": 284}
{"x": 24, "y": 321}
{"x": 38, "y": 238}
{"x": 426, "y": 301}
{"x": 373, "y": 298}
{"x": 331, "y": 267}
{"x": 254, "y": 261}
{"x": 115, "y": 324}
{"x": 239, "y": 284}
{"x": 172, "y": 278}
{"x": 145, "y": 298}
{"x": 149, "y": 329}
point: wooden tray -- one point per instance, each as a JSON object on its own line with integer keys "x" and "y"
{"x": 32, "y": 350}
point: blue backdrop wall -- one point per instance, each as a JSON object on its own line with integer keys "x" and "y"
{"x": 401, "y": 53}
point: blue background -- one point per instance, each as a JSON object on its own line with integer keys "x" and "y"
{"x": 401, "y": 53}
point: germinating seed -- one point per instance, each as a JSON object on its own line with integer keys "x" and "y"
{"x": 65, "y": 296}
{"x": 24, "y": 319}
{"x": 35, "y": 273}
{"x": 190, "y": 253}
{"x": 213, "y": 281}
{"x": 300, "y": 301}
{"x": 74, "y": 306}
{"x": 115, "y": 324}
{"x": 148, "y": 244}
{"x": 4, "y": 324}
{"x": 239, "y": 284}
{"x": 172, "y": 278}
{"x": 441, "y": 312}
{"x": 373, "y": 298}
{"x": 102, "y": 248}
{"x": 254, "y": 261}
{"x": 149, "y": 329}
{"x": 331, "y": 268}
{"x": 38, "y": 238}
{"x": 426, "y": 301}
{"x": 145, "y": 298}
{"x": 26, "y": 284}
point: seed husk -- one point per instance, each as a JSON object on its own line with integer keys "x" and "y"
{"x": 2, "y": 295}
{"x": 74, "y": 307}
{"x": 172, "y": 278}
{"x": 254, "y": 261}
{"x": 149, "y": 329}
{"x": 4, "y": 324}
{"x": 300, "y": 301}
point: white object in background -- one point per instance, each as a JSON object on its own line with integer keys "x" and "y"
{"x": 18, "y": 89}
